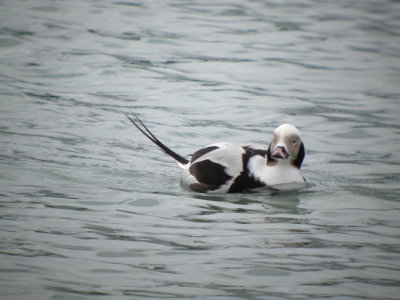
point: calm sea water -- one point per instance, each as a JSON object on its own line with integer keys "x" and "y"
{"x": 91, "y": 209}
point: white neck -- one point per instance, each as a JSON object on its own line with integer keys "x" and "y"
{"x": 280, "y": 173}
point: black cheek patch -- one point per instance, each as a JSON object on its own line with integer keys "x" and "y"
{"x": 209, "y": 173}
{"x": 300, "y": 157}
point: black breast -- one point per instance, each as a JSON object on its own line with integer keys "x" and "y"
{"x": 245, "y": 181}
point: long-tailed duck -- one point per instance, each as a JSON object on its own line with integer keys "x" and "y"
{"x": 228, "y": 168}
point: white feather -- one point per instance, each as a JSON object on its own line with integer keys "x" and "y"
{"x": 273, "y": 175}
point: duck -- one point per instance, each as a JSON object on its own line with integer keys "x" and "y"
{"x": 227, "y": 168}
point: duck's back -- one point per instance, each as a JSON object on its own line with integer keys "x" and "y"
{"x": 221, "y": 168}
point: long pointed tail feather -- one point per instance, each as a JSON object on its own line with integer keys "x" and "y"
{"x": 155, "y": 140}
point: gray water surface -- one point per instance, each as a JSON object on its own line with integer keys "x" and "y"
{"x": 89, "y": 208}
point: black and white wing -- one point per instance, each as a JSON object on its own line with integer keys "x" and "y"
{"x": 221, "y": 168}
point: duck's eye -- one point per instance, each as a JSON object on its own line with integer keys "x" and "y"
{"x": 294, "y": 141}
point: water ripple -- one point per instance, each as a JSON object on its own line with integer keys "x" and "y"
{"x": 89, "y": 207}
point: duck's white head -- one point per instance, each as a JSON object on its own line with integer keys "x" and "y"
{"x": 286, "y": 147}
